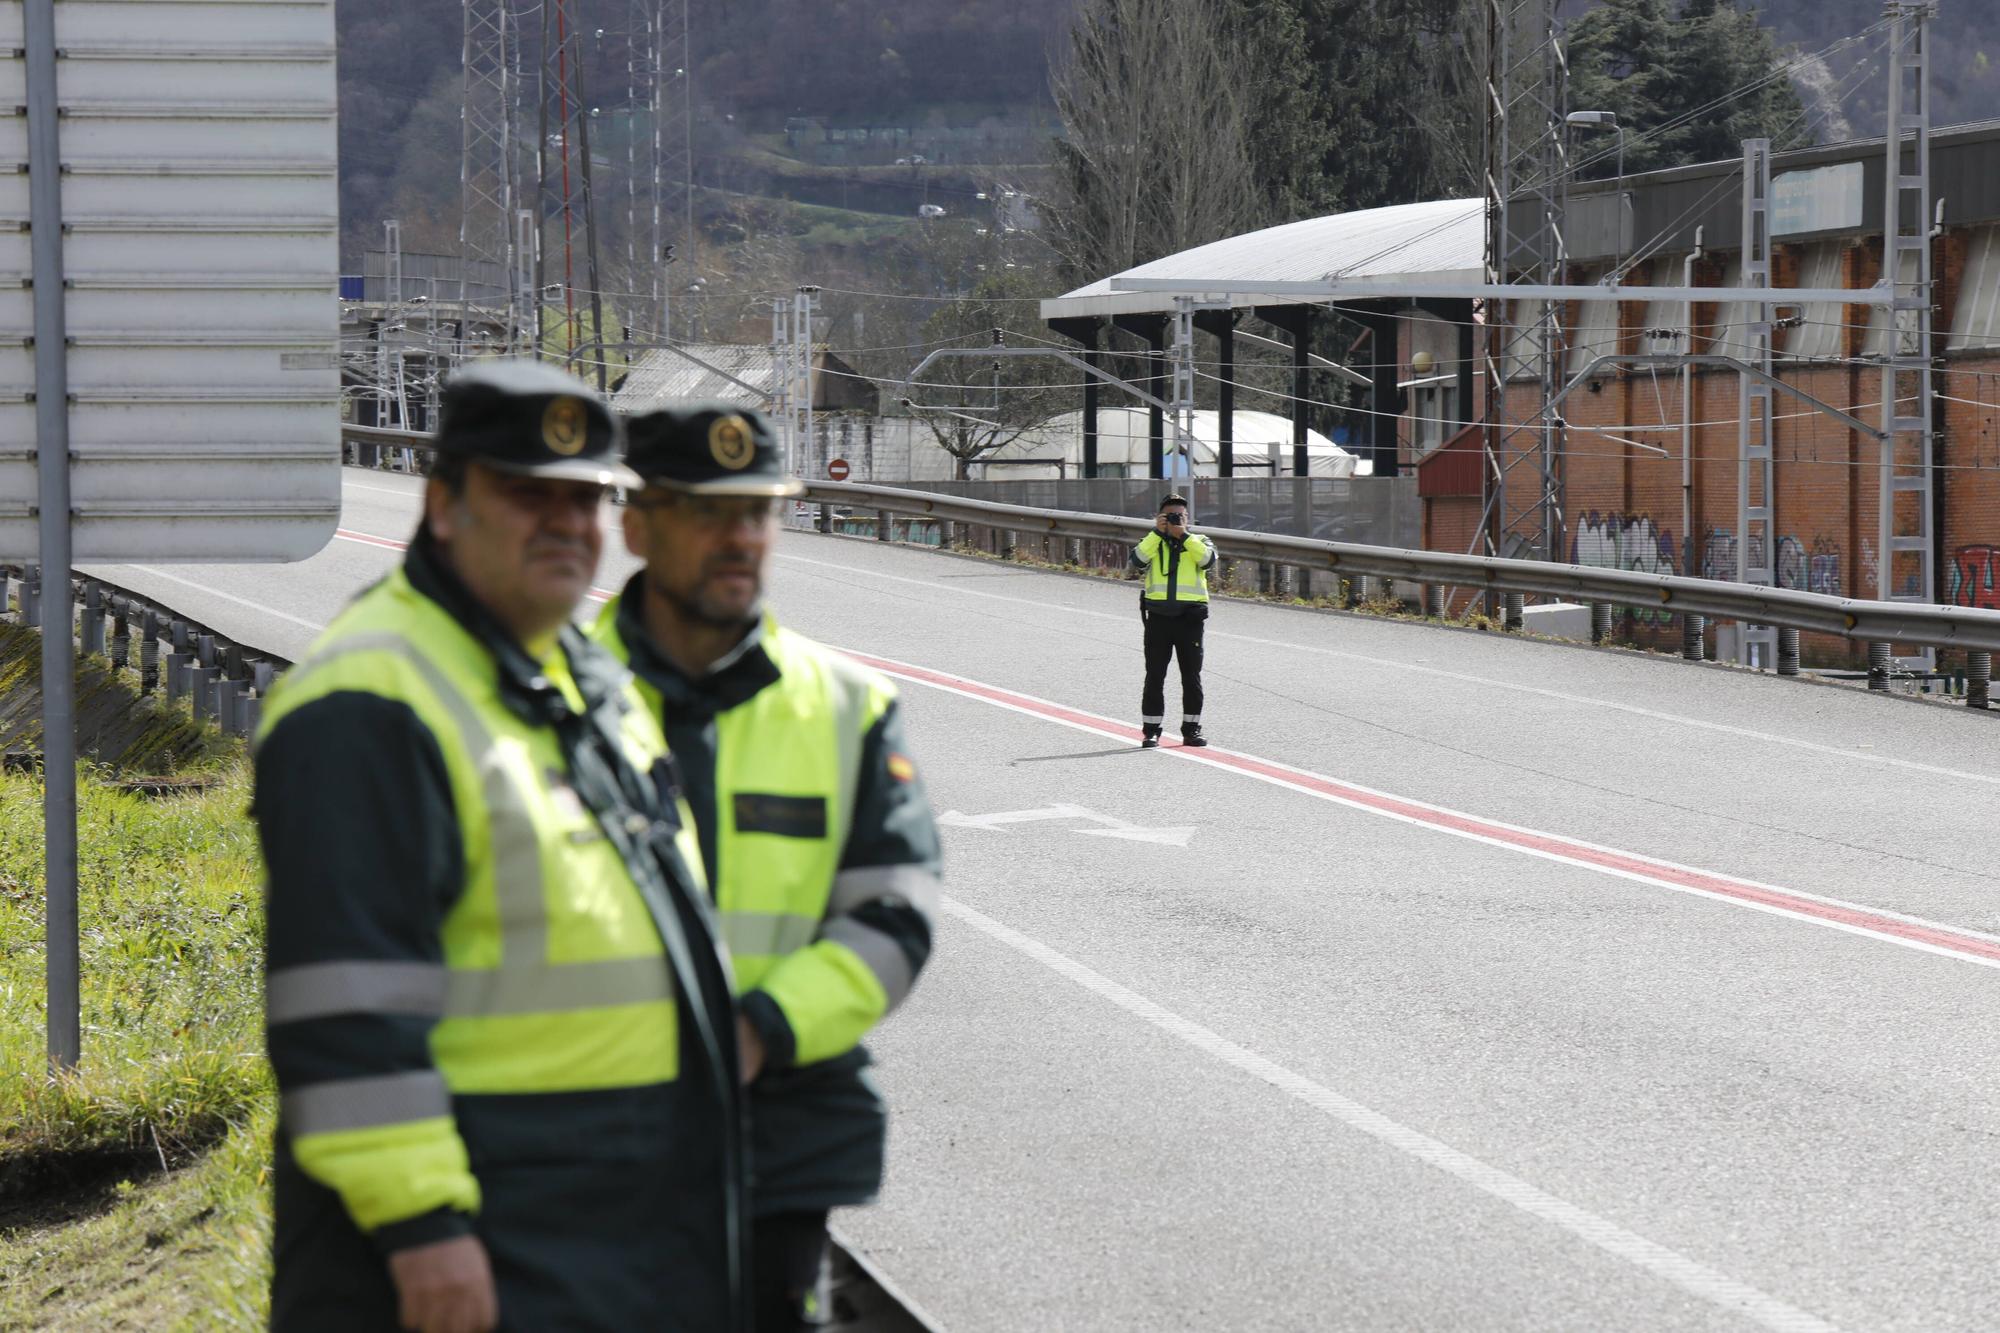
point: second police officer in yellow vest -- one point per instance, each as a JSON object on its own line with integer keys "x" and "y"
{"x": 819, "y": 843}
{"x": 498, "y": 1017}
{"x": 1173, "y": 607}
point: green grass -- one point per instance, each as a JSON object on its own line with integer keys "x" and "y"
{"x": 172, "y": 1069}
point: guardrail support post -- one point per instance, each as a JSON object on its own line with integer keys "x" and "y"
{"x": 826, "y": 518}
{"x": 1878, "y": 666}
{"x": 1302, "y": 580}
{"x": 31, "y": 598}
{"x": 1600, "y": 621}
{"x": 1008, "y": 545}
{"x": 1788, "y": 651}
{"x": 228, "y": 705}
{"x": 177, "y": 669}
{"x": 947, "y": 534}
{"x": 1692, "y": 647}
{"x": 121, "y": 635}
{"x": 202, "y": 682}
{"x": 1513, "y": 613}
{"x": 93, "y": 619}
{"x": 149, "y": 653}
{"x": 1073, "y": 552}
{"x": 1978, "y": 675}
{"x": 885, "y": 526}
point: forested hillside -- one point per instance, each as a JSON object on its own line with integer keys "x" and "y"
{"x": 1965, "y": 56}
{"x": 757, "y": 63}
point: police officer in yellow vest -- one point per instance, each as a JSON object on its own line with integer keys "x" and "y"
{"x": 818, "y": 840}
{"x": 500, "y": 1021}
{"x": 1173, "y": 605}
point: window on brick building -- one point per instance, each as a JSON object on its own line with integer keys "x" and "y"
{"x": 1875, "y": 343}
{"x": 1434, "y": 413}
{"x": 1815, "y": 336}
{"x": 1975, "y": 321}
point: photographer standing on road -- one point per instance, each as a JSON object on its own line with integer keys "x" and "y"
{"x": 1174, "y": 608}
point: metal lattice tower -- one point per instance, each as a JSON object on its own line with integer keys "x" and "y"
{"x": 1905, "y": 566}
{"x": 673, "y": 149}
{"x": 489, "y": 177}
{"x": 644, "y": 186}
{"x": 1756, "y": 488}
{"x": 1526, "y": 179}
{"x": 567, "y": 280}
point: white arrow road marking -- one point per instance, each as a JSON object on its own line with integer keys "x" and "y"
{"x": 1165, "y": 837}
{"x": 1112, "y": 826}
{"x": 994, "y": 821}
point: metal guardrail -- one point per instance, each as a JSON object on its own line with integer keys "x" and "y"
{"x": 1875, "y": 623}
{"x": 1878, "y": 624}
{"x": 223, "y": 680}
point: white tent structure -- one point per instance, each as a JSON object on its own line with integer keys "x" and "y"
{"x": 1054, "y": 449}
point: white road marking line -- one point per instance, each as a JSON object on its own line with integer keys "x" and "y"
{"x": 1690, "y": 1275}
{"x": 1407, "y": 668}
{"x": 383, "y": 490}
{"x": 258, "y": 607}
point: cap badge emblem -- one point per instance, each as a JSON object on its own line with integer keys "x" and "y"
{"x": 564, "y": 426}
{"x": 729, "y": 441}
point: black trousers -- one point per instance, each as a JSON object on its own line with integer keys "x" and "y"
{"x": 1172, "y": 638}
{"x": 788, "y": 1272}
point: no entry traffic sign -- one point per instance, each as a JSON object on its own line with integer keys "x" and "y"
{"x": 837, "y": 469}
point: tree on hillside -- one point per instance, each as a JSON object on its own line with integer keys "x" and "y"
{"x": 1396, "y": 85}
{"x": 1156, "y": 99}
{"x": 1669, "y": 71}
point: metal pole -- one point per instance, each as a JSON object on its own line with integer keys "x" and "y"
{"x": 52, "y": 465}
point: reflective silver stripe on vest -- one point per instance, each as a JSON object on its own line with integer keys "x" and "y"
{"x": 320, "y": 990}
{"x": 529, "y": 988}
{"x": 908, "y": 884}
{"x": 884, "y": 957}
{"x": 364, "y": 1103}
{"x": 517, "y": 865}
{"x": 748, "y": 933}
{"x": 526, "y": 982}
{"x": 851, "y": 692}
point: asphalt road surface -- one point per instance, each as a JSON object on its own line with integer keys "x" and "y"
{"x": 1469, "y": 983}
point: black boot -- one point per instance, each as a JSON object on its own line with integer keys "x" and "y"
{"x": 1191, "y": 734}
{"x": 1150, "y": 736}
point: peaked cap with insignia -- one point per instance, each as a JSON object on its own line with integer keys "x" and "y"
{"x": 528, "y": 418}
{"x": 708, "y": 449}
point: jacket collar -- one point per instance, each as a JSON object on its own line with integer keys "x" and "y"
{"x": 739, "y": 676}
{"x": 524, "y": 684}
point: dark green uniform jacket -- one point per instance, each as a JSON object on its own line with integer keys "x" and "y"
{"x": 496, "y": 1004}
{"x": 818, "y": 1125}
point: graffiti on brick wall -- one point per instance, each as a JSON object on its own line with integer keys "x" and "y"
{"x": 1814, "y": 568}
{"x": 1718, "y": 553}
{"x": 1974, "y": 577}
{"x": 1626, "y": 541}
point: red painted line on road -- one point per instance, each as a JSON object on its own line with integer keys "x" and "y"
{"x": 1851, "y": 917}
{"x": 370, "y": 539}
{"x": 391, "y": 544}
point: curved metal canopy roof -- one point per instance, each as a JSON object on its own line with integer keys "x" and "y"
{"x": 1439, "y": 241}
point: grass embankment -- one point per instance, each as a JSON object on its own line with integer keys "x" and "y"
{"x": 133, "y": 1193}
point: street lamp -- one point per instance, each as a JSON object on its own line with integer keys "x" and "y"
{"x": 1608, "y": 120}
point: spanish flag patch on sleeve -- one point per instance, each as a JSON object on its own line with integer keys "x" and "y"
{"x": 901, "y": 769}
